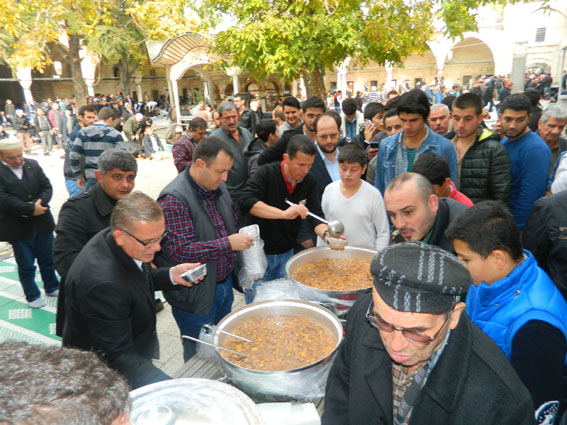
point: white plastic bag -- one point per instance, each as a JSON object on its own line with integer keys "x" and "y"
{"x": 253, "y": 262}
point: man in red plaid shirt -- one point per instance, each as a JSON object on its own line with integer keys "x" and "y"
{"x": 201, "y": 221}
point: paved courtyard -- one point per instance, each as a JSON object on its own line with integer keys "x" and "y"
{"x": 18, "y": 321}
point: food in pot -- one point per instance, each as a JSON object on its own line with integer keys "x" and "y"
{"x": 280, "y": 342}
{"x": 336, "y": 274}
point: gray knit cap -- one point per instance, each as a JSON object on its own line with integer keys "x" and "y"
{"x": 420, "y": 278}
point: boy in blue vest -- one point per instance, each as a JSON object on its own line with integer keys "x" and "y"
{"x": 514, "y": 302}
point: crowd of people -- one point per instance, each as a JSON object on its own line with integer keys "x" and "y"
{"x": 467, "y": 319}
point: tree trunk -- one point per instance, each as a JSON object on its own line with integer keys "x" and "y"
{"x": 125, "y": 77}
{"x": 79, "y": 86}
{"x": 314, "y": 83}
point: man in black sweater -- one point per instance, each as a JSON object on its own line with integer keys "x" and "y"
{"x": 265, "y": 198}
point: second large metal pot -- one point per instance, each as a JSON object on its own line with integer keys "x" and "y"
{"x": 338, "y": 301}
{"x": 306, "y": 383}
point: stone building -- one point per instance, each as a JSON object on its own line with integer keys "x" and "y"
{"x": 516, "y": 36}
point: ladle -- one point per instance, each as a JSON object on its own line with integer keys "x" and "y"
{"x": 336, "y": 227}
{"x": 213, "y": 345}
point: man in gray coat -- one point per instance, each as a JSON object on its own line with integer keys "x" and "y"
{"x": 237, "y": 138}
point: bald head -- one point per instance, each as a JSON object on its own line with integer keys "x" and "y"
{"x": 412, "y": 205}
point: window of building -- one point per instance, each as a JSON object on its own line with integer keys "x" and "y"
{"x": 540, "y": 35}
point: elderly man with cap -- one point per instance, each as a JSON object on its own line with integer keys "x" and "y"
{"x": 25, "y": 220}
{"x": 411, "y": 354}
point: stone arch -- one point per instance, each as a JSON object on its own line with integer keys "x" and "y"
{"x": 538, "y": 65}
{"x": 417, "y": 68}
{"x": 467, "y": 59}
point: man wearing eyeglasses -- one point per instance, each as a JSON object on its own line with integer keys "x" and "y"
{"x": 109, "y": 302}
{"x": 411, "y": 354}
{"x": 84, "y": 216}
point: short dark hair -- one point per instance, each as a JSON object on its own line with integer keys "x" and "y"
{"x": 331, "y": 114}
{"x": 469, "y": 100}
{"x": 266, "y": 127}
{"x": 349, "y": 105}
{"x": 300, "y": 143}
{"x": 517, "y": 102}
{"x": 86, "y": 108}
{"x": 45, "y": 384}
{"x": 117, "y": 158}
{"x": 390, "y": 113}
{"x": 372, "y": 109}
{"x": 414, "y": 102}
{"x": 106, "y": 113}
{"x": 486, "y": 227}
{"x": 197, "y": 123}
{"x": 209, "y": 148}
{"x": 448, "y": 101}
{"x": 433, "y": 167}
{"x": 534, "y": 96}
{"x": 313, "y": 102}
{"x": 353, "y": 154}
{"x": 291, "y": 101}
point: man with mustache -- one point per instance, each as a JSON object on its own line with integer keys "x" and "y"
{"x": 412, "y": 355}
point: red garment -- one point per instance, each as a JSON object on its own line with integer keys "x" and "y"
{"x": 290, "y": 187}
{"x": 460, "y": 197}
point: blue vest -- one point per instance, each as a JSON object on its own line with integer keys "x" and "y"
{"x": 527, "y": 293}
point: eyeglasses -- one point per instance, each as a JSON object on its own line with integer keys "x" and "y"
{"x": 147, "y": 243}
{"x": 418, "y": 338}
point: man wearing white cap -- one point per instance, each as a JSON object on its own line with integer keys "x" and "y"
{"x": 25, "y": 220}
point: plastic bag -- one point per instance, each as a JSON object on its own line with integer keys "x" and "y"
{"x": 253, "y": 262}
{"x": 204, "y": 351}
{"x": 279, "y": 289}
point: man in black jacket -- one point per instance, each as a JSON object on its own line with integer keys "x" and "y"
{"x": 84, "y": 216}
{"x": 417, "y": 213}
{"x": 109, "y": 302}
{"x": 411, "y": 354}
{"x": 25, "y": 220}
{"x": 311, "y": 109}
{"x": 545, "y": 235}
{"x": 265, "y": 198}
{"x": 484, "y": 165}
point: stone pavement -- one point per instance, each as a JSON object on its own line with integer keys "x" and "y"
{"x": 152, "y": 177}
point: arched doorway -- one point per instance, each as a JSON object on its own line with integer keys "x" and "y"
{"x": 468, "y": 59}
{"x": 272, "y": 94}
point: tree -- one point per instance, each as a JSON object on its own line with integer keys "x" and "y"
{"x": 32, "y": 29}
{"x": 294, "y": 38}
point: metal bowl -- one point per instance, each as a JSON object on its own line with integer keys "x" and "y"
{"x": 307, "y": 382}
{"x": 192, "y": 400}
{"x": 338, "y": 301}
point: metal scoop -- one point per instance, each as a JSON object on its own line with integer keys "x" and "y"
{"x": 336, "y": 227}
{"x": 213, "y": 345}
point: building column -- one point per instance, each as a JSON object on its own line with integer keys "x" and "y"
{"x": 138, "y": 82}
{"x": 175, "y": 95}
{"x": 389, "y": 71}
{"x": 234, "y": 72}
{"x": 25, "y": 80}
{"x": 89, "y": 63}
{"x": 518, "y": 72}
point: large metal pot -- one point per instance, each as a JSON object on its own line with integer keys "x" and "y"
{"x": 338, "y": 301}
{"x": 306, "y": 383}
{"x": 192, "y": 401}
